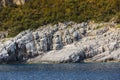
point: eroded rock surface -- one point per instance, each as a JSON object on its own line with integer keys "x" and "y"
{"x": 64, "y": 42}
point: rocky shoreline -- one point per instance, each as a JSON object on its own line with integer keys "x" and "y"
{"x": 63, "y": 43}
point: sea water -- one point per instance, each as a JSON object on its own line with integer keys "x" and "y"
{"x": 72, "y": 71}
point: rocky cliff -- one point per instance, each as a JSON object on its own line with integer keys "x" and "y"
{"x": 64, "y": 42}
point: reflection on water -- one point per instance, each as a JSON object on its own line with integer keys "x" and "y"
{"x": 82, "y": 71}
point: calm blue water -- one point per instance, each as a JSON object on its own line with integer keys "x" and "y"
{"x": 82, "y": 71}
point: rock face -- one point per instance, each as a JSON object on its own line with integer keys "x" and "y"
{"x": 63, "y": 42}
{"x": 4, "y": 3}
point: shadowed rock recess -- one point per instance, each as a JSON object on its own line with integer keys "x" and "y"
{"x": 64, "y": 42}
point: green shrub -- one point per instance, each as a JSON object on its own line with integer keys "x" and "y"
{"x": 118, "y": 26}
{"x": 40, "y": 12}
{"x": 118, "y": 18}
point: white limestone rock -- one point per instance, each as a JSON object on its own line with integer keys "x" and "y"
{"x": 60, "y": 43}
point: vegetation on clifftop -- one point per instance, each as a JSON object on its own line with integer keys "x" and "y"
{"x": 40, "y": 12}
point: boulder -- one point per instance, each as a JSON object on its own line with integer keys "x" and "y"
{"x": 21, "y": 50}
{"x": 4, "y": 55}
{"x": 57, "y": 44}
{"x": 3, "y": 34}
{"x": 11, "y": 48}
{"x": 76, "y": 35}
{"x": 43, "y": 43}
{"x": 31, "y": 49}
{"x": 67, "y": 37}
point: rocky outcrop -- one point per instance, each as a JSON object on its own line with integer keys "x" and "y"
{"x": 19, "y": 2}
{"x": 64, "y": 42}
{"x": 3, "y": 34}
{"x": 5, "y": 3}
